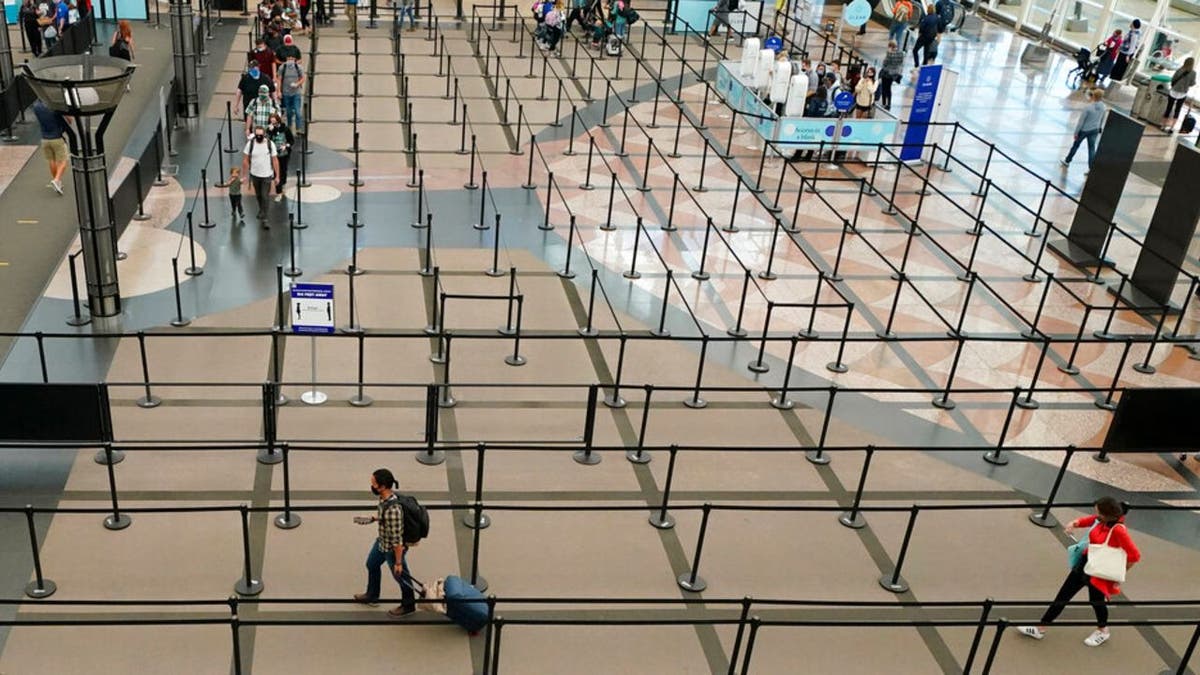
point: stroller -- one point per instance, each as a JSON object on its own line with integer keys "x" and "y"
{"x": 1086, "y": 65}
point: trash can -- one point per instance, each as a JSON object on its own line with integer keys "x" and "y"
{"x": 1151, "y": 100}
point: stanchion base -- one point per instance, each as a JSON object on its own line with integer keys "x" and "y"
{"x": 944, "y": 403}
{"x": 482, "y": 524}
{"x": 118, "y": 522}
{"x": 587, "y": 186}
{"x": 637, "y": 456}
{"x": 438, "y": 358}
{"x": 149, "y": 401}
{"x": 1102, "y": 457}
{"x": 831, "y": 277}
{"x": 1029, "y": 334}
{"x": 47, "y": 589}
{"x": 193, "y": 271}
{"x": 447, "y": 402}
{"x": 817, "y": 457}
{"x": 314, "y": 397}
{"x": 355, "y": 223}
{"x": 248, "y": 587}
{"x": 897, "y": 586}
{"x": 352, "y": 330}
{"x": 695, "y": 403}
{"x": 470, "y": 186}
{"x": 692, "y": 585}
{"x": 1048, "y": 522}
{"x": 546, "y": 227}
{"x": 1106, "y": 405}
{"x": 633, "y": 274}
{"x": 101, "y": 457}
{"x": 767, "y": 276}
{"x": 1031, "y": 278}
{"x": 784, "y": 404}
{"x": 1069, "y": 370}
{"x": 425, "y": 272}
{"x": 737, "y": 332}
{"x": 514, "y": 360}
{"x": 585, "y": 457}
{"x": 287, "y": 521}
{"x": 698, "y": 276}
{"x": 494, "y": 273}
{"x": 505, "y": 330}
{"x": 180, "y": 322}
{"x": 266, "y": 456}
{"x": 1028, "y": 404}
{"x": 607, "y": 227}
{"x": 360, "y": 401}
{"x": 644, "y": 188}
{"x": 995, "y": 458}
{"x": 417, "y": 225}
{"x": 1099, "y": 334}
{"x": 206, "y": 224}
{"x": 666, "y": 523}
{"x": 668, "y": 228}
{"x": 527, "y": 186}
{"x": 140, "y": 217}
{"x": 80, "y": 320}
{"x": 835, "y": 367}
{"x": 481, "y": 226}
{"x": 854, "y": 521}
{"x": 431, "y": 457}
{"x": 1145, "y": 369}
{"x": 807, "y": 334}
{"x": 758, "y": 367}
{"x": 565, "y": 274}
{"x": 699, "y": 188}
{"x": 613, "y": 401}
{"x": 292, "y": 271}
{"x": 282, "y": 400}
{"x": 659, "y": 333}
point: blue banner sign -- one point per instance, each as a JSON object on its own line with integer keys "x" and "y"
{"x": 923, "y": 102}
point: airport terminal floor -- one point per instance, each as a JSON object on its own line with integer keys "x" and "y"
{"x": 674, "y": 403}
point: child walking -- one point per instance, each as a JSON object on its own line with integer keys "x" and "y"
{"x": 235, "y": 195}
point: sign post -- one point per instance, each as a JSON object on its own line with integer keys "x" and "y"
{"x": 312, "y": 314}
{"x": 843, "y": 102}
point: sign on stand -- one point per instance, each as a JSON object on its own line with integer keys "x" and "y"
{"x": 312, "y": 314}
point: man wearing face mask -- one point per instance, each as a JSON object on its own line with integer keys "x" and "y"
{"x": 260, "y": 161}
{"x": 260, "y": 110}
{"x": 249, "y": 85}
{"x": 388, "y": 546}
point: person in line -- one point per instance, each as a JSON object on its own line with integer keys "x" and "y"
{"x": 928, "y": 35}
{"x": 406, "y": 8}
{"x": 1183, "y": 80}
{"x": 62, "y": 16}
{"x": 29, "y": 23}
{"x": 260, "y": 163}
{"x": 893, "y": 64}
{"x": 121, "y": 45}
{"x": 54, "y": 147}
{"x": 46, "y": 22}
{"x": 291, "y": 92}
{"x": 721, "y": 18}
{"x": 235, "y": 195}
{"x": 578, "y": 9}
{"x": 260, "y": 110}
{"x": 1129, "y": 47}
{"x": 901, "y": 14}
{"x": 1091, "y": 120}
{"x": 352, "y": 15}
{"x": 864, "y": 94}
{"x": 264, "y": 56}
{"x": 248, "y": 87}
{"x": 388, "y": 547}
{"x": 287, "y": 49}
{"x": 282, "y": 137}
{"x": 1106, "y": 529}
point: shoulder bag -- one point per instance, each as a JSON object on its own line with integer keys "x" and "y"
{"x": 1106, "y": 562}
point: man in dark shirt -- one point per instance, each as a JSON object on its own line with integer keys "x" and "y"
{"x": 248, "y": 86}
{"x": 54, "y": 148}
{"x": 928, "y": 34}
{"x": 288, "y": 48}
{"x": 265, "y": 58}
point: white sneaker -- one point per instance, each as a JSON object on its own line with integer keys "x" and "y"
{"x": 1031, "y": 631}
{"x": 1097, "y": 638}
{"x": 57, "y": 185}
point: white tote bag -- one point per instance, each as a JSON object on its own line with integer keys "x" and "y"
{"x": 1106, "y": 562}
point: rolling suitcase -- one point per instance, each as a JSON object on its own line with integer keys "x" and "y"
{"x": 465, "y": 605}
{"x": 1188, "y": 126}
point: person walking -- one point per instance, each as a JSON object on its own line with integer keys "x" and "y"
{"x": 1105, "y": 529}
{"x": 235, "y": 195}
{"x": 862, "y": 30}
{"x": 291, "y": 92}
{"x": 388, "y": 547}
{"x": 721, "y": 17}
{"x": 406, "y": 8}
{"x": 252, "y": 81}
{"x": 928, "y": 35}
{"x": 282, "y": 137}
{"x": 29, "y": 23}
{"x": 121, "y": 45}
{"x": 260, "y": 110}
{"x": 901, "y": 14}
{"x": 889, "y": 74}
{"x": 352, "y": 15}
{"x": 1183, "y": 80}
{"x": 261, "y": 163}
{"x": 54, "y": 148}
{"x": 1091, "y": 120}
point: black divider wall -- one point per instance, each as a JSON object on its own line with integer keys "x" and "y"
{"x": 1171, "y": 229}
{"x": 55, "y": 412}
{"x": 1157, "y": 419}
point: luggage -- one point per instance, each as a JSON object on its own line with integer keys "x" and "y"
{"x": 471, "y": 610}
{"x": 1189, "y": 125}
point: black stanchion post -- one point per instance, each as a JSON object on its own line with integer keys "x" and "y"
{"x": 247, "y": 585}
{"x": 40, "y": 587}
{"x": 148, "y": 400}
{"x": 478, "y": 520}
{"x": 893, "y": 582}
{"x": 818, "y": 456}
{"x": 695, "y": 401}
{"x": 632, "y": 272}
{"x": 701, "y": 274}
{"x": 979, "y": 628}
{"x": 76, "y": 318}
{"x": 854, "y": 518}
{"x": 494, "y": 270}
{"x": 692, "y": 581}
{"x": 292, "y": 270}
{"x": 178, "y": 321}
{"x": 546, "y": 226}
{"x": 287, "y": 520}
{"x": 585, "y": 455}
{"x": 589, "y": 331}
{"x": 944, "y": 402}
{"x": 755, "y": 622}
{"x": 994, "y": 456}
{"x": 758, "y": 365}
{"x": 1001, "y": 624}
{"x": 1108, "y": 403}
{"x": 663, "y": 520}
{"x": 1144, "y": 367}
{"x": 470, "y": 184}
{"x": 741, "y": 626}
{"x": 767, "y": 274}
{"x": 482, "y": 224}
{"x": 669, "y": 226}
{"x": 737, "y": 330}
{"x": 1071, "y": 368}
{"x": 477, "y": 579}
{"x": 614, "y": 400}
{"x": 640, "y": 456}
{"x": 737, "y": 194}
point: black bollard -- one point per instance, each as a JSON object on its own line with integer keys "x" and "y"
{"x": 663, "y": 520}
{"x": 178, "y": 321}
{"x": 854, "y": 518}
{"x": 478, "y": 520}
{"x": 893, "y": 582}
{"x": 692, "y": 581}
{"x": 40, "y": 587}
{"x": 1045, "y": 519}
{"x": 247, "y": 585}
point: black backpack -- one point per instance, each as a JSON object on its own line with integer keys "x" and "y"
{"x": 733, "y": 5}
{"x": 416, "y": 518}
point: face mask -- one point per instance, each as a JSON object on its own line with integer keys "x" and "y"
{"x": 255, "y": 72}
{"x": 263, "y": 97}
{"x": 374, "y": 490}
{"x": 258, "y": 138}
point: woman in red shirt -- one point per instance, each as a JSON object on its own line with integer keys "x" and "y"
{"x": 1107, "y": 527}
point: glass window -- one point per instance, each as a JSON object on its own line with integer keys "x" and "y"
{"x": 1079, "y": 25}
{"x": 1010, "y": 8}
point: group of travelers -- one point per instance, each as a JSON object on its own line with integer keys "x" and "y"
{"x": 271, "y": 100}
{"x": 44, "y": 21}
{"x": 603, "y": 21}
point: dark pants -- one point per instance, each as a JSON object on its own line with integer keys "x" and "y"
{"x": 1075, "y": 582}
{"x": 34, "y": 35}
{"x": 262, "y": 194}
{"x": 922, "y": 52}
{"x": 885, "y": 90}
{"x": 375, "y": 560}
{"x": 235, "y": 205}
{"x": 1090, "y": 137}
{"x": 576, "y": 14}
{"x": 1174, "y": 107}
{"x": 283, "y": 174}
